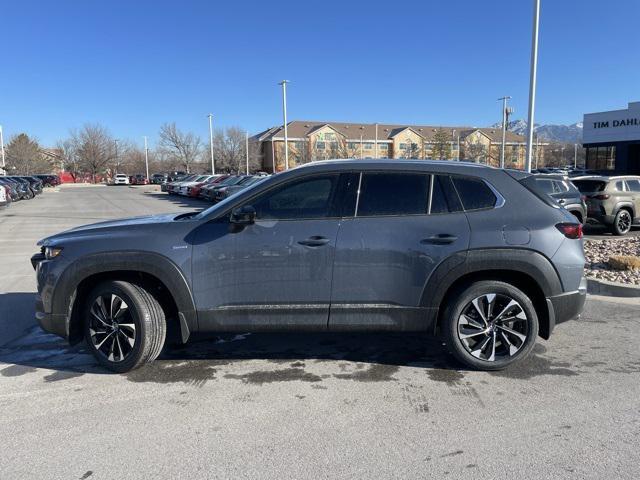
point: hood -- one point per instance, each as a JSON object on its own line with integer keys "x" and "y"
{"x": 95, "y": 228}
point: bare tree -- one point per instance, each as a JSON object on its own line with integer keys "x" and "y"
{"x": 23, "y": 156}
{"x": 184, "y": 146}
{"x": 474, "y": 151}
{"x": 69, "y": 156}
{"x": 94, "y": 147}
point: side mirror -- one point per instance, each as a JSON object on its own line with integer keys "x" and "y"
{"x": 245, "y": 215}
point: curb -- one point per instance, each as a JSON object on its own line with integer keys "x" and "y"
{"x": 612, "y": 289}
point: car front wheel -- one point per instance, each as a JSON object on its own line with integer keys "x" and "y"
{"x": 124, "y": 325}
{"x": 489, "y": 325}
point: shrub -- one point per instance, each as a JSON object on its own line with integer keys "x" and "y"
{"x": 624, "y": 262}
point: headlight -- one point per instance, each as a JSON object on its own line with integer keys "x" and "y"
{"x": 52, "y": 252}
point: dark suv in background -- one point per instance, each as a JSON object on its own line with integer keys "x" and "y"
{"x": 364, "y": 245}
{"x": 561, "y": 189}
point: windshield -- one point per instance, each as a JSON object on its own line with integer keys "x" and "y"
{"x": 587, "y": 186}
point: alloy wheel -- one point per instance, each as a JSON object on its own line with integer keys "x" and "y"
{"x": 493, "y": 327}
{"x": 624, "y": 221}
{"x": 111, "y": 327}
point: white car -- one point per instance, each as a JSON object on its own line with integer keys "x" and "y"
{"x": 121, "y": 179}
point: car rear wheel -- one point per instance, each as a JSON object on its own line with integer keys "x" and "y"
{"x": 124, "y": 325}
{"x": 489, "y": 325}
{"x": 622, "y": 223}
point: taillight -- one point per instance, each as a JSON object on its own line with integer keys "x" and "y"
{"x": 603, "y": 196}
{"x": 570, "y": 230}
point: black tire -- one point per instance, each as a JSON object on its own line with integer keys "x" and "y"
{"x": 141, "y": 310}
{"x": 453, "y": 329}
{"x": 622, "y": 223}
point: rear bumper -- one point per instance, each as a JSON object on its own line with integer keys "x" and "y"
{"x": 567, "y": 306}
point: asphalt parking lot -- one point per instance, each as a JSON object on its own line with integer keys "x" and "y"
{"x": 303, "y": 406}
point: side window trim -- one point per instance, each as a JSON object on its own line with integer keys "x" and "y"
{"x": 355, "y": 213}
{"x": 430, "y": 199}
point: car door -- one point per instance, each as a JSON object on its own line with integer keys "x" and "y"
{"x": 634, "y": 187}
{"x": 405, "y": 224}
{"x": 275, "y": 273}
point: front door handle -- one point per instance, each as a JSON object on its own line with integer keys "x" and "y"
{"x": 439, "y": 239}
{"x": 314, "y": 241}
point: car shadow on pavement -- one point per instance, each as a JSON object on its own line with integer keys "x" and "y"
{"x": 39, "y": 349}
{"x": 17, "y": 315}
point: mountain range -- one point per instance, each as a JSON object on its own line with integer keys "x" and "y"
{"x": 554, "y": 133}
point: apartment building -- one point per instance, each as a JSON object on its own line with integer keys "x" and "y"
{"x": 312, "y": 140}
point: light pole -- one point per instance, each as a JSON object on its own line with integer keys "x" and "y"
{"x": 284, "y": 114}
{"x": 146, "y": 156}
{"x": 575, "y": 155}
{"x": 4, "y": 171}
{"x": 504, "y": 128}
{"x": 532, "y": 81}
{"x": 117, "y": 161}
{"x": 213, "y": 165}
{"x": 246, "y": 147}
{"x": 376, "y": 141}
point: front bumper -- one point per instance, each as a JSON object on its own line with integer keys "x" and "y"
{"x": 57, "y": 324}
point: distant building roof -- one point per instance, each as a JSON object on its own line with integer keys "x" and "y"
{"x": 301, "y": 128}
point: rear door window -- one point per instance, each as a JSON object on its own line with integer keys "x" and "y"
{"x": 444, "y": 198}
{"x": 393, "y": 194}
{"x": 589, "y": 186}
{"x": 474, "y": 193}
{"x": 634, "y": 185}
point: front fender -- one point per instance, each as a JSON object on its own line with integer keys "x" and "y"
{"x": 159, "y": 266}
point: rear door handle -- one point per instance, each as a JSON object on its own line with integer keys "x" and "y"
{"x": 314, "y": 241}
{"x": 439, "y": 239}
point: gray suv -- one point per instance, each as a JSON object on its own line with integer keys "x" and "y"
{"x": 612, "y": 201}
{"x": 461, "y": 250}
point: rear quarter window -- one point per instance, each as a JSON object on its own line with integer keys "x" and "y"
{"x": 588, "y": 186}
{"x": 474, "y": 193}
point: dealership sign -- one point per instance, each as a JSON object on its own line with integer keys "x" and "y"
{"x": 614, "y": 126}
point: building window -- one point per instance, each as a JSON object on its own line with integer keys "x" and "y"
{"x": 298, "y": 145}
{"x": 329, "y": 136}
{"x": 403, "y": 146}
{"x": 320, "y": 145}
{"x": 383, "y": 146}
{"x": 368, "y": 146}
{"x": 601, "y": 158}
{"x": 351, "y": 145}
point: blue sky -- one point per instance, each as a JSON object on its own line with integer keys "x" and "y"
{"x": 132, "y": 65}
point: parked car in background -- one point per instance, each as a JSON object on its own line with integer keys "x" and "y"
{"x": 5, "y": 198}
{"x": 34, "y": 183}
{"x": 139, "y": 179}
{"x": 49, "y": 180}
{"x": 612, "y": 201}
{"x": 159, "y": 178}
{"x": 11, "y": 188}
{"x": 174, "y": 185}
{"x": 184, "y": 186}
{"x": 563, "y": 191}
{"x": 351, "y": 245}
{"x": 121, "y": 179}
{"x": 209, "y": 193}
{"x": 194, "y": 190}
{"x": 225, "y": 192}
{"x": 24, "y": 187}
